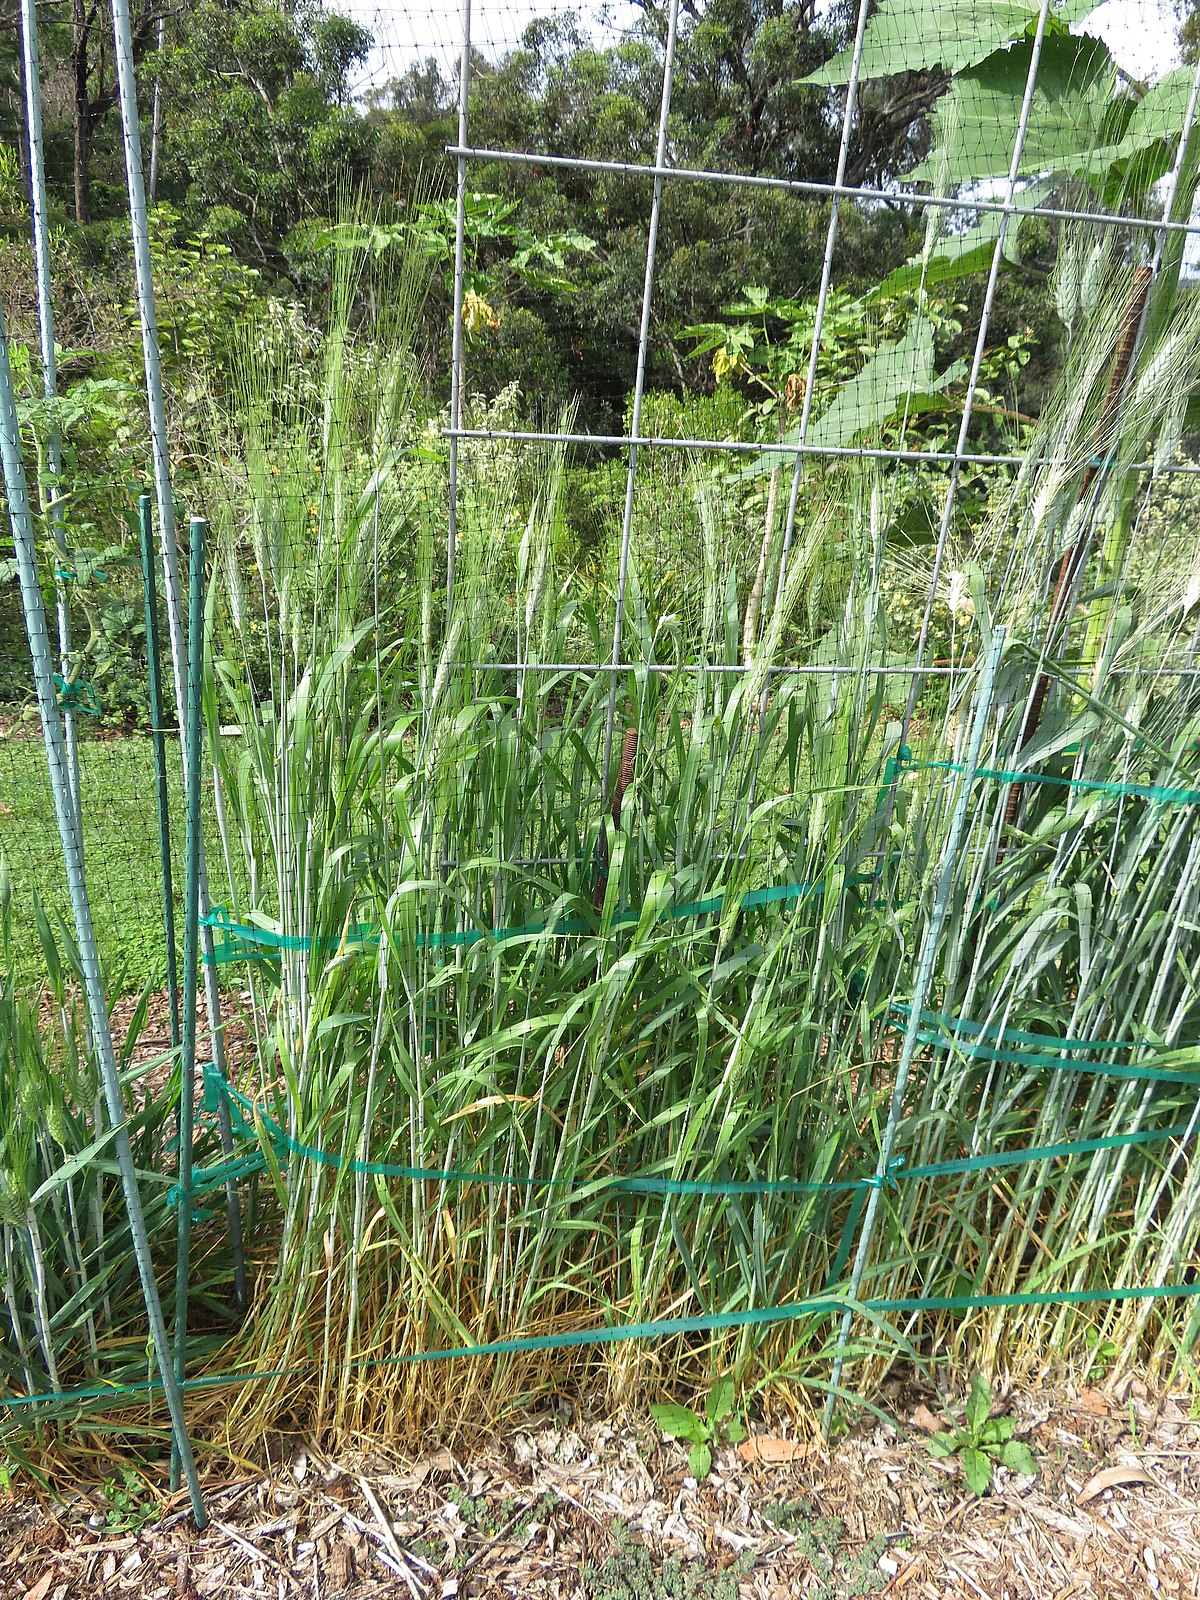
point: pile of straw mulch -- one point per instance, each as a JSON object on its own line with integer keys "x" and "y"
{"x": 563, "y": 1506}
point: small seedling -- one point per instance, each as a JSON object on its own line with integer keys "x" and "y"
{"x": 1104, "y": 1352}
{"x": 129, "y": 1509}
{"x": 983, "y": 1441}
{"x": 718, "y": 1425}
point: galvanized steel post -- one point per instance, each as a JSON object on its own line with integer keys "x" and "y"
{"x": 56, "y": 757}
{"x": 144, "y": 280}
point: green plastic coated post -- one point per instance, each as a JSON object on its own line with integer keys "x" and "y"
{"x": 56, "y": 757}
{"x": 191, "y": 940}
{"x": 158, "y": 737}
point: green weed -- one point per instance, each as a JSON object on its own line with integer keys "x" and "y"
{"x": 632, "y": 1573}
{"x": 705, "y": 1430}
{"x": 983, "y": 1441}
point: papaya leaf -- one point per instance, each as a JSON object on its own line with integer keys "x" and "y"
{"x": 915, "y": 35}
{"x": 959, "y": 255}
{"x": 976, "y": 121}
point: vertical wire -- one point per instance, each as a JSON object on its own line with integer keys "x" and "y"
{"x": 1163, "y": 236}
{"x": 159, "y": 747}
{"x": 41, "y": 256}
{"x": 810, "y": 384}
{"x": 191, "y": 928}
{"x": 929, "y": 950}
{"x": 21, "y": 521}
{"x": 789, "y": 526}
{"x": 156, "y": 113}
{"x": 456, "y": 336}
{"x": 639, "y": 389}
{"x": 160, "y": 452}
{"x": 985, "y": 316}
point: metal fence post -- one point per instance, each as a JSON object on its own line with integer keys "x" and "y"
{"x": 56, "y": 757}
{"x": 191, "y": 929}
{"x": 41, "y": 257}
{"x": 139, "y": 224}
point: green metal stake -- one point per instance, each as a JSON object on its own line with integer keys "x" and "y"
{"x": 158, "y": 735}
{"x": 21, "y": 520}
{"x": 191, "y": 940}
{"x": 929, "y": 949}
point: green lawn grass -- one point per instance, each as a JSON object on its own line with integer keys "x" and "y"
{"x": 121, "y": 852}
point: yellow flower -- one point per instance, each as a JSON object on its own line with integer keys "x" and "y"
{"x": 724, "y": 363}
{"x": 477, "y": 314}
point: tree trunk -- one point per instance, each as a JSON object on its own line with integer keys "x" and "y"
{"x": 80, "y": 29}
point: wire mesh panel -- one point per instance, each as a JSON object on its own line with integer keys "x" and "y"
{"x": 706, "y": 810}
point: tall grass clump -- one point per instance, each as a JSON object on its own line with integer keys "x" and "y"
{"x": 491, "y": 981}
{"x": 488, "y": 967}
{"x": 73, "y": 1313}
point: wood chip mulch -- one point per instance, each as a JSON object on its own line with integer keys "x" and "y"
{"x": 1114, "y": 1511}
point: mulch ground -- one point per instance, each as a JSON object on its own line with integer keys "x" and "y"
{"x": 560, "y": 1508}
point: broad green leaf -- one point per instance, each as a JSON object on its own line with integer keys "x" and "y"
{"x": 976, "y": 121}
{"x": 998, "y": 1431}
{"x": 1158, "y": 115}
{"x": 961, "y": 254}
{"x": 699, "y": 1462}
{"x": 979, "y": 1404}
{"x": 879, "y": 390}
{"x": 720, "y": 1400}
{"x": 735, "y": 1432}
{"x": 977, "y": 1470}
{"x": 1018, "y": 1457}
{"x": 677, "y": 1422}
{"x": 914, "y": 35}
{"x": 942, "y": 1444}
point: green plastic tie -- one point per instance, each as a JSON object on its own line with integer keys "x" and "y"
{"x": 1044, "y": 1051}
{"x": 284, "y": 1145}
{"x": 242, "y": 941}
{"x": 77, "y": 696}
{"x": 665, "y": 1327}
{"x": 889, "y": 1179}
{"x": 1161, "y": 794}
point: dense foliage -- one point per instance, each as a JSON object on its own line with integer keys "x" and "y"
{"x": 502, "y": 917}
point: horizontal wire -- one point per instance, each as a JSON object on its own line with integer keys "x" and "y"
{"x": 706, "y": 667}
{"x": 780, "y": 447}
{"x": 808, "y": 671}
{"x": 812, "y": 186}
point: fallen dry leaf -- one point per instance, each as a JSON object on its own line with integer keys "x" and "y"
{"x": 41, "y": 1588}
{"x": 924, "y": 1419}
{"x": 1112, "y": 1478}
{"x": 772, "y": 1451}
{"x": 1092, "y": 1400}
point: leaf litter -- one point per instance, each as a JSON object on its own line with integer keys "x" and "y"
{"x": 569, "y": 1508}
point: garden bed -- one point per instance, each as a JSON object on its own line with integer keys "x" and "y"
{"x": 565, "y": 1507}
